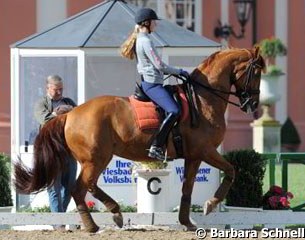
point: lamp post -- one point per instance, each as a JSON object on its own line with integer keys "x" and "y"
{"x": 243, "y": 11}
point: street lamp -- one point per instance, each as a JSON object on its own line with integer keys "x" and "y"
{"x": 243, "y": 11}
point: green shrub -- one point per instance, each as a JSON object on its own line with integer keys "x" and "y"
{"x": 247, "y": 189}
{"x": 193, "y": 208}
{"x": 5, "y": 181}
{"x": 289, "y": 133}
{"x": 43, "y": 209}
{"x": 128, "y": 208}
{"x": 273, "y": 70}
{"x": 123, "y": 208}
{"x": 272, "y": 47}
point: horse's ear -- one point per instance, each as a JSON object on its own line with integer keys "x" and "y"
{"x": 264, "y": 67}
{"x": 256, "y": 51}
{"x": 257, "y": 55}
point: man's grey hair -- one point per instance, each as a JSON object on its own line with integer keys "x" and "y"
{"x": 54, "y": 79}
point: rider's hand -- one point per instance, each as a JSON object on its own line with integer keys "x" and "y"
{"x": 184, "y": 74}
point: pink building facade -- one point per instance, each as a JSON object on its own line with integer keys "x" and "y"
{"x": 281, "y": 18}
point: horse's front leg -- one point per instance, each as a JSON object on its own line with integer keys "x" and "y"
{"x": 214, "y": 159}
{"x": 190, "y": 171}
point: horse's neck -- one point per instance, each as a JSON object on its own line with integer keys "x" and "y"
{"x": 217, "y": 76}
{"x": 218, "y": 71}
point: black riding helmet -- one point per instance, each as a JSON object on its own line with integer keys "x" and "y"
{"x": 145, "y": 14}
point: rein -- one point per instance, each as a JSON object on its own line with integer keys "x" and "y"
{"x": 215, "y": 91}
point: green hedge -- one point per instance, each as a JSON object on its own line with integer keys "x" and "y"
{"x": 247, "y": 189}
{"x": 5, "y": 180}
{"x": 289, "y": 133}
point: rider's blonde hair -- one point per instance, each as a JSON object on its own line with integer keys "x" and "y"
{"x": 128, "y": 47}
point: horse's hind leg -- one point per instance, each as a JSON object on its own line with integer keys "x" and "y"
{"x": 110, "y": 204}
{"x": 89, "y": 176}
{"x": 78, "y": 195}
{"x": 190, "y": 171}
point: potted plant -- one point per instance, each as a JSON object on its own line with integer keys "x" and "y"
{"x": 270, "y": 48}
{"x": 150, "y": 165}
{"x": 247, "y": 188}
{"x": 152, "y": 186}
{"x": 6, "y": 202}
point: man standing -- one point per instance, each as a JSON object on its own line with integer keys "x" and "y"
{"x": 51, "y": 105}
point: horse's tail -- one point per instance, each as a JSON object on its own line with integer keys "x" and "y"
{"x": 50, "y": 151}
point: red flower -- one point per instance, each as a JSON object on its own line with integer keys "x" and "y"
{"x": 90, "y": 204}
{"x": 284, "y": 201}
{"x": 276, "y": 189}
{"x": 273, "y": 201}
{"x": 290, "y": 195}
{"x": 277, "y": 198}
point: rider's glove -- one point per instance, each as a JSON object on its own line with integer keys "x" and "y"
{"x": 184, "y": 74}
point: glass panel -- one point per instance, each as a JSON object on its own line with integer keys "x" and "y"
{"x": 109, "y": 76}
{"x": 33, "y": 73}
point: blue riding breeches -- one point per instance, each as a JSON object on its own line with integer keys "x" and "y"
{"x": 160, "y": 96}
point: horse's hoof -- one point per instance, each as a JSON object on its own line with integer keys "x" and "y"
{"x": 191, "y": 228}
{"x": 208, "y": 207}
{"x": 92, "y": 229}
{"x": 118, "y": 219}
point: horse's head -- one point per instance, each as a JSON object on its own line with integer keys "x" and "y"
{"x": 246, "y": 77}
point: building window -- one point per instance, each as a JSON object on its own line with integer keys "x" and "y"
{"x": 146, "y": 3}
{"x": 181, "y": 12}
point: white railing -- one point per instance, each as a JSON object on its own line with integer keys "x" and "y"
{"x": 272, "y": 218}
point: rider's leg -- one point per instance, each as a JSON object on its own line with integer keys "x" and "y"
{"x": 161, "y": 97}
{"x": 156, "y": 149}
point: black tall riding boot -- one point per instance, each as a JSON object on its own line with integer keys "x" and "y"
{"x": 156, "y": 149}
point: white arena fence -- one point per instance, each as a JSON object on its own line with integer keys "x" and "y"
{"x": 238, "y": 220}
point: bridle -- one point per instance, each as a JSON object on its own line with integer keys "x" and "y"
{"x": 245, "y": 95}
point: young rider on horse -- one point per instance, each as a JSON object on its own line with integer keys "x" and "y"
{"x": 151, "y": 68}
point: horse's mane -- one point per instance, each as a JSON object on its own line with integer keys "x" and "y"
{"x": 212, "y": 57}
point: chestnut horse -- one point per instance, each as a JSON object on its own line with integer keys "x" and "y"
{"x": 96, "y": 130}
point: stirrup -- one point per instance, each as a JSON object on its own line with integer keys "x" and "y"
{"x": 157, "y": 153}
